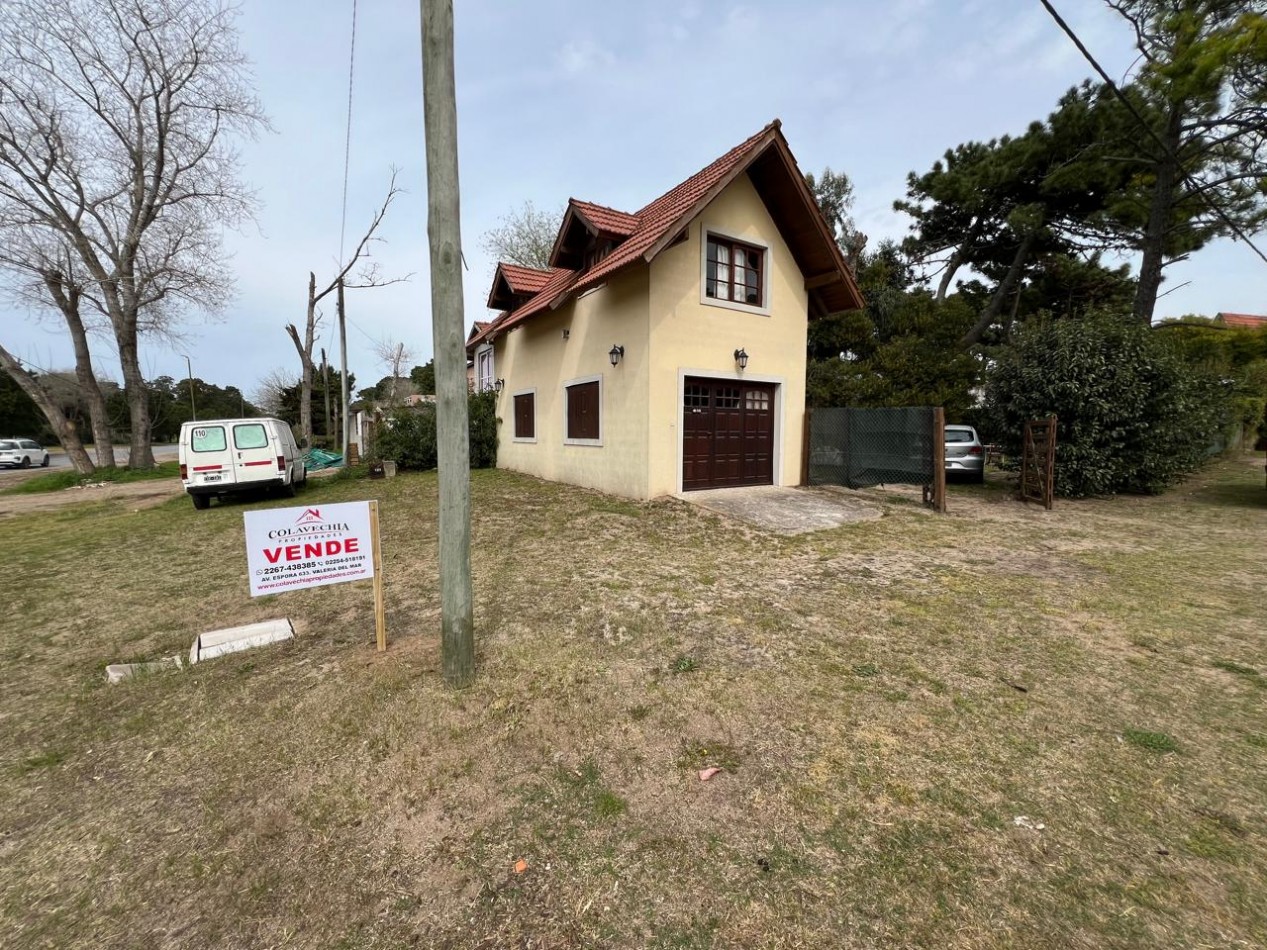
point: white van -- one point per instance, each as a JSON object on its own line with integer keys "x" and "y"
{"x": 220, "y": 456}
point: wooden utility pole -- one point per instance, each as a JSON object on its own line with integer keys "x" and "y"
{"x": 444, "y": 235}
{"x": 325, "y": 385}
{"x": 343, "y": 351}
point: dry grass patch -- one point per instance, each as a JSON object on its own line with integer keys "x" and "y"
{"x": 886, "y": 700}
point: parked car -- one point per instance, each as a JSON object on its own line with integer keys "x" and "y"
{"x": 965, "y": 453}
{"x": 222, "y": 456}
{"x": 22, "y": 453}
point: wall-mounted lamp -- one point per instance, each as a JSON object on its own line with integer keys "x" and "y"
{"x": 741, "y": 357}
{"x": 499, "y": 385}
{"x": 615, "y": 353}
{"x": 566, "y": 333}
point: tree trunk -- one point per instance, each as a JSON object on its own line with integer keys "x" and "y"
{"x": 62, "y": 427}
{"x": 67, "y": 296}
{"x": 140, "y": 452}
{"x": 1160, "y": 211}
{"x": 444, "y": 234}
{"x": 102, "y": 439}
{"x": 1010, "y": 280}
{"x": 304, "y": 349}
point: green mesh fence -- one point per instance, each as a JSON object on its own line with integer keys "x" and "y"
{"x": 858, "y": 448}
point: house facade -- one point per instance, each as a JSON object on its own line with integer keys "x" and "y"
{"x": 665, "y": 350}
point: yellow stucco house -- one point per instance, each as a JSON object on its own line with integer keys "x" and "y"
{"x": 664, "y": 351}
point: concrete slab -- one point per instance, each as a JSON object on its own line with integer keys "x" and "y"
{"x": 118, "y": 672}
{"x": 785, "y": 510}
{"x": 231, "y": 640}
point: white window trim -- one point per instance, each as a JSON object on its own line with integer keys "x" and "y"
{"x": 533, "y": 394}
{"x": 492, "y": 368}
{"x": 601, "y": 412}
{"x": 764, "y": 310}
{"x": 779, "y": 408}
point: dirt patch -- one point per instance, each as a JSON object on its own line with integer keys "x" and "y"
{"x": 137, "y": 495}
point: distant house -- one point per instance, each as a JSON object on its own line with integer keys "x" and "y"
{"x": 1243, "y": 321}
{"x": 664, "y": 350}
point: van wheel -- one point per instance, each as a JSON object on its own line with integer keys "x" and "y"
{"x": 288, "y": 490}
{"x": 201, "y": 502}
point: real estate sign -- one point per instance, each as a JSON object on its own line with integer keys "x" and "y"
{"x": 293, "y": 548}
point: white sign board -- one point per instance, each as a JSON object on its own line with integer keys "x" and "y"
{"x": 293, "y": 548}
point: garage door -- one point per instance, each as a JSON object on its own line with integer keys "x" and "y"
{"x": 727, "y": 433}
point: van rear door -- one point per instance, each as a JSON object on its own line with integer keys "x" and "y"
{"x": 255, "y": 453}
{"x": 209, "y": 460}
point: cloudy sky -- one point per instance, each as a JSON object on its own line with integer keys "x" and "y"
{"x": 611, "y": 102}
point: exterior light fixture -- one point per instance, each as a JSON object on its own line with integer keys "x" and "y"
{"x": 741, "y": 357}
{"x": 615, "y": 354}
{"x": 499, "y": 385}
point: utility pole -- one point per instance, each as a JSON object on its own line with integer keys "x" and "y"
{"x": 343, "y": 350}
{"x": 325, "y": 385}
{"x": 189, "y": 375}
{"x": 444, "y": 235}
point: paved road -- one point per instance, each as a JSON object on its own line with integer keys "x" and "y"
{"x": 59, "y": 461}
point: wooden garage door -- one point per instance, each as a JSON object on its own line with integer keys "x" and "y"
{"x": 727, "y": 433}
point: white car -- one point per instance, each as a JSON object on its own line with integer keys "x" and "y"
{"x": 22, "y": 453}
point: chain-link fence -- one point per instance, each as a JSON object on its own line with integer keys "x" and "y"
{"x": 859, "y": 448}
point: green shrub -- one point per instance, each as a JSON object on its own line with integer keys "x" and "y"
{"x": 482, "y": 408}
{"x": 1133, "y": 415}
{"x": 408, "y": 436}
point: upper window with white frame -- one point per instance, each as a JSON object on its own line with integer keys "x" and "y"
{"x": 734, "y": 272}
{"x": 484, "y": 369}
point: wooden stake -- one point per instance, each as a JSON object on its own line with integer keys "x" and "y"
{"x": 444, "y": 236}
{"x": 939, "y": 459}
{"x": 380, "y": 607}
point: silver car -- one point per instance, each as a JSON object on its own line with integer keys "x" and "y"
{"x": 965, "y": 454}
{"x": 22, "y": 453}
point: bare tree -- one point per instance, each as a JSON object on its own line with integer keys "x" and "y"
{"x": 270, "y": 392}
{"x": 525, "y": 237}
{"x": 368, "y": 276}
{"x": 115, "y": 124}
{"x": 64, "y": 428}
{"x": 394, "y": 356}
{"x": 49, "y": 274}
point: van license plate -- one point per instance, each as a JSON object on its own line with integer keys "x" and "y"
{"x": 211, "y": 478}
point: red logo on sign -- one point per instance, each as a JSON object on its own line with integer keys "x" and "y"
{"x": 310, "y": 516}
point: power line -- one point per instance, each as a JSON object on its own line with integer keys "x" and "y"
{"x": 347, "y": 141}
{"x": 1165, "y": 149}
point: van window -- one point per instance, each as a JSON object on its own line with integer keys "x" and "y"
{"x": 208, "y": 439}
{"x": 250, "y": 436}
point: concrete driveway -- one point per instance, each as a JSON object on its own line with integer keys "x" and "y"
{"x": 785, "y": 510}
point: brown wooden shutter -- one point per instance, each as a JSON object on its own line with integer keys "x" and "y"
{"x": 525, "y": 416}
{"x": 583, "y": 411}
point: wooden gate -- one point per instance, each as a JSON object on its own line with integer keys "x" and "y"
{"x": 1038, "y": 461}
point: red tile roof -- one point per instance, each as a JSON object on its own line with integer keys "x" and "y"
{"x": 524, "y": 280}
{"x": 1250, "y": 321}
{"x": 655, "y": 226}
{"x": 608, "y": 220}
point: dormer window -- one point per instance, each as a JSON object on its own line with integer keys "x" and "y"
{"x": 734, "y": 272}
{"x": 596, "y": 252}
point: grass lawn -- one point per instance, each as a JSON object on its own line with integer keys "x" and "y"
{"x": 68, "y": 478}
{"x": 1000, "y": 727}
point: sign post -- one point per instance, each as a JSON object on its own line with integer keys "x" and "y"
{"x": 294, "y": 548}
{"x": 380, "y": 608}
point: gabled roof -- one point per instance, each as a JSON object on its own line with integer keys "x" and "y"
{"x": 1251, "y": 321}
{"x": 478, "y": 327}
{"x": 513, "y": 284}
{"x": 605, "y": 220}
{"x": 769, "y": 163}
